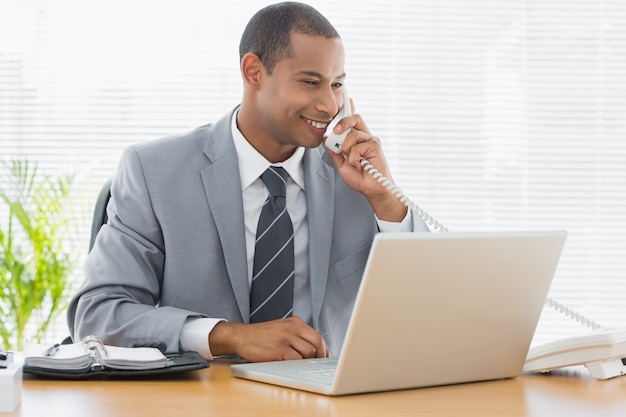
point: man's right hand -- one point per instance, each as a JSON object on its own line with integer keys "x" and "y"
{"x": 275, "y": 340}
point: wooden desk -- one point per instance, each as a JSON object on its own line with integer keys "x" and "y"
{"x": 214, "y": 392}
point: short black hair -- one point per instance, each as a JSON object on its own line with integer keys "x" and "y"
{"x": 268, "y": 33}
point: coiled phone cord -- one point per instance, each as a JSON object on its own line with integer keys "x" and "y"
{"x": 399, "y": 194}
{"x": 568, "y": 312}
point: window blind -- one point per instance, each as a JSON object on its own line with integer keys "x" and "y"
{"x": 494, "y": 114}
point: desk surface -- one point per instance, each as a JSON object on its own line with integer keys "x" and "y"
{"x": 214, "y": 392}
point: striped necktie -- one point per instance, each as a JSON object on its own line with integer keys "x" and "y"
{"x": 273, "y": 270}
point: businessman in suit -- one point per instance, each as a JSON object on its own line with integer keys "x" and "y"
{"x": 172, "y": 268}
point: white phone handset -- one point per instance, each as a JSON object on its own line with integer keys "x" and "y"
{"x": 333, "y": 140}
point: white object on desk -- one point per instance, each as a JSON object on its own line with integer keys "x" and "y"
{"x": 603, "y": 352}
{"x": 10, "y": 387}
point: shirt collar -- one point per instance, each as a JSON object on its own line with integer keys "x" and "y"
{"x": 252, "y": 164}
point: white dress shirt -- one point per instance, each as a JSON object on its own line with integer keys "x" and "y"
{"x": 194, "y": 335}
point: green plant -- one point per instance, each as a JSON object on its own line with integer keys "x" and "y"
{"x": 35, "y": 258}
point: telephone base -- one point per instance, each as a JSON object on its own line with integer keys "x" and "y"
{"x": 607, "y": 369}
{"x": 603, "y": 353}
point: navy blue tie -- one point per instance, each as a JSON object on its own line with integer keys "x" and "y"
{"x": 273, "y": 271}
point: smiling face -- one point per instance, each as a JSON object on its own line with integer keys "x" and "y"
{"x": 292, "y": 106}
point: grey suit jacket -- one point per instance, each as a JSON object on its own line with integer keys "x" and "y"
{"x": 174, "y": 244}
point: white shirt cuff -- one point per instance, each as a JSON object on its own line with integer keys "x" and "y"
{"x": 406, "y": 225}
{"x": 195, "y": 335}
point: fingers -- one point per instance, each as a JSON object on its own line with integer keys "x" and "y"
{"x": 285, "y": 339}
{"x": 305, "y": 340}
{"x": 354, "y": 121}
{"x": 316, "y": 341}
{"x": 367, "y": 147}
{"x": 313, "y": 347}
{"x": 358, "y": 135}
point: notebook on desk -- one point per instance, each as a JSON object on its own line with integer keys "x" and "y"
{"x": 433, "y": 309}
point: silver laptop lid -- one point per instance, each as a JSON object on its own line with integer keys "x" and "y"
{"x": 437, "y": 309}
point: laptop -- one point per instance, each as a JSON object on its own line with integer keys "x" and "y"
{"x": 432, "y": 310}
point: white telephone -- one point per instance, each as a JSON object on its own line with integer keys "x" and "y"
{"x": 603, "y": 352}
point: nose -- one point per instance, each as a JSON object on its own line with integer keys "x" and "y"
{"x": 329, "y": 101}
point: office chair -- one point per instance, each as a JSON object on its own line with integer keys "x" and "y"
{"x": 100, "y": 211}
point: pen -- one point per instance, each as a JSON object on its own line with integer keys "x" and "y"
{"x": 51, "y": 350}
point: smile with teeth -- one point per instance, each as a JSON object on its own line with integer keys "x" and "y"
{"x": 318, "y": 125}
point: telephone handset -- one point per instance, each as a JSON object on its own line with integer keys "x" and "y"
{"x": 334, "y": 143}
{"x": 333, "y": 140}
{"x": 603, "y": 352}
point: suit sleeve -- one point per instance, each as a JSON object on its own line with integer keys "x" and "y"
{"x": 118, "y": 300}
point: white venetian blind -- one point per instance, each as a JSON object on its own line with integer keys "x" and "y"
{"x": 495, "y": 114}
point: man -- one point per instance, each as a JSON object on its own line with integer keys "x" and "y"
{"x": 174, "y": 265}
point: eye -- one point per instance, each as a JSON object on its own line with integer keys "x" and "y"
{"x": 310, "y": 82}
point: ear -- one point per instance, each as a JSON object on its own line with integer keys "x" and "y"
{"x": 252, "y": 70}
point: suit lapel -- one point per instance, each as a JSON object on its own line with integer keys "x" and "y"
{"x": 319, "y": 178}
{"x": 221, "y": 178}
{"x": 222, "y": 185}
